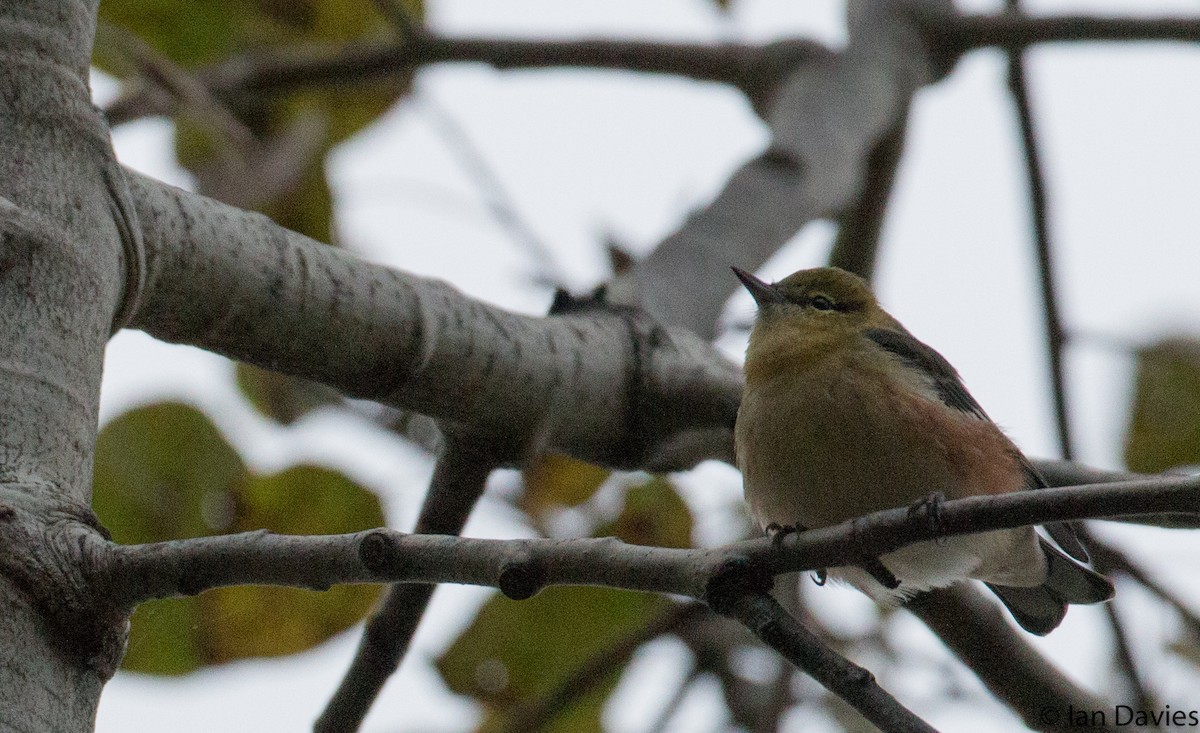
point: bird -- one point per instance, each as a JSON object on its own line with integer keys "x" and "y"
{"x": 844, "y": 413}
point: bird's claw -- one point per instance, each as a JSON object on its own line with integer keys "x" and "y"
{"x": 931, "y": 506}
{"x": 778, "y": 531}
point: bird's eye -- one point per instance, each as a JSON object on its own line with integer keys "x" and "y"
{"x": 821, "y": 303}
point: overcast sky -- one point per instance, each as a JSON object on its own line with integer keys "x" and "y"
{"x": 585, "y": 154}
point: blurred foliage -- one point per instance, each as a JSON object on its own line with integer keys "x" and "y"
{"x": 280, "y": 397}
{"x": 518, "y": 651}
{"x": 554, "y": 481}
{"x": 164, "y": 472}
{"x": 1164, "y": 429}
{"x": 205, "y": 32}
{"x": 654, "y": 515}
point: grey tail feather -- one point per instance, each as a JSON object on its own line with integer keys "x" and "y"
{"x": 1065, "y": 535}
{"x": 1041, "y": 609}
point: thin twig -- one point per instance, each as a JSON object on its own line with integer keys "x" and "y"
{"x": 1109, "y": 559}
{"x": 975, "y": 630}
{"x": 495, "y": 197}
{"x": 456, "y": 486}
{"x": 185, "y": 89}
{"x": 672, "y": 707}
{"x": 535, "y": 715}
{"x": 1011, "y": 30}
{"x": 1127, "y": 663}
{"x": 856, "y": 247}
{"x": 763, "y": 615}
{"x": 1056, "y": 336}
{"x": 408, "y": 31}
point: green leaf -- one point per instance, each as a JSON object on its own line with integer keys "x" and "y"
{"x": 554, "y": 481}
{"x": 280, "y": 397}
{"x": 1164, "y": 428}
{"x": 517, "y": 651}
{"x": 164, "y": 472}
{"x": 203, "y": 32}
{"x": 654, "y": 514}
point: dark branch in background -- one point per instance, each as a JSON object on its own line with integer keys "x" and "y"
{"x": 1127, "y": 663}
{"x": 407, "y": 29}
{"x": 1013, "y": 30}
{"x": 857, "y": 245}
{"x": 763, "y": 615}
{"x": 1109, "y": 559}
{"x": 534, "y": 715}
{"x": 183, "y": 88}
{"x": 755, "y": 706}
{"x": 672, "y": 707}
{"x": 520, "y": 568}
{"x": 977, "y": 632}
{"x": 457, "y": 483}
{"x": 1056, "y": 337}
{"x": 754, "y": 69}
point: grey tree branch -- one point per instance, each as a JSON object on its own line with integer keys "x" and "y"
{"x": 602, "y": 384}
{"x": 763, "y": 615}
{"x": 975, "y": 630}
{"x": 825, "y": 118}
{"x": 520, "y": 568}
{"x": 458, "y": 482}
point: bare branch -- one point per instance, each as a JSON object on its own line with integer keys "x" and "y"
{"x": 763, "y": 615}
{"x": 603, "y": 384}
{"x": 755, "y": 69}
{"x": 497, "y": 199}
{"x": 521, "y": 568}
{"x": 1056, "y": 335}
{"x": 857, "y": 245}
{"x": 1109, "y": 559}
{"x": 1017, "y": 31}
{"x": 1127, "y": 664}
{"x": 456, "y": 485}
{"x": 975, "y": 630}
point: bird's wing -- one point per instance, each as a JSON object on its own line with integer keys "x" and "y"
{"x": 950, "y": 389}
{"x": 925, "y": 359}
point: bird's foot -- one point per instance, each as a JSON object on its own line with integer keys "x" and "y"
{"x": 870, "y": 562}
{"x": 931, "y": 507}
{"x": 778, "y": 531}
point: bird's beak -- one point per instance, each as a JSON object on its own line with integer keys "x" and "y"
{"x": 762, "y": 292}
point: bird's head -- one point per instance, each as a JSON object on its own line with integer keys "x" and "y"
{"x": 824, "y": 294}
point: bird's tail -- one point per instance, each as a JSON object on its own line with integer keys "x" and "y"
{"x": 1039, "y": 610}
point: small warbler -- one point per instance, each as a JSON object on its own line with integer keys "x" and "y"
{"x": 845, "y": 413}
